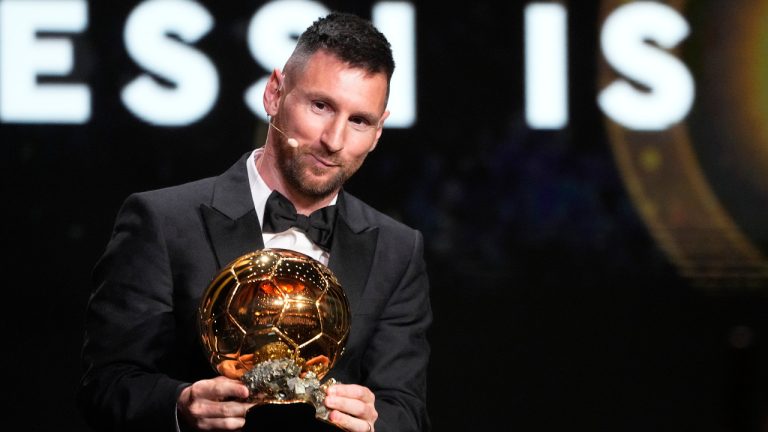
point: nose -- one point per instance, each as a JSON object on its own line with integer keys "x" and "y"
{"x": 333, "y": 134}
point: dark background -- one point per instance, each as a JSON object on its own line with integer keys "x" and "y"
{"x": 554, "y": 307}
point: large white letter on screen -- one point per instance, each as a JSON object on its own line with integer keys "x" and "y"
{"x": 397, "y": 21}
{"x": 272, "y": 35}
{"x": 24, "y": 57}
{"x": 670, "y": 84}
{"x": 195, "y": 82}
{"x": 546, "y": 66}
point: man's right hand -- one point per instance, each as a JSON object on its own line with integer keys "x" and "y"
{"x": 214, "y": 405}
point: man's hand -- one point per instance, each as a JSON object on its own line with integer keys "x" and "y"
{"x": 214, "y": 404}
{"x": 351, "y": 407}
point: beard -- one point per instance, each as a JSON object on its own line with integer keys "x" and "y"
{"x": 302, "y": 178}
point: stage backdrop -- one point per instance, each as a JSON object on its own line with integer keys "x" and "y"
{"x": 589, "y": 178}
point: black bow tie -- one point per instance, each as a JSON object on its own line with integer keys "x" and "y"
{"x": 280, "y": 215}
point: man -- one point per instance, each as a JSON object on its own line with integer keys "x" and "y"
{"x": 144, "y": 365}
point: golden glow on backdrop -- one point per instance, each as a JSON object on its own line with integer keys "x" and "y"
{"x": 700, "y": 184}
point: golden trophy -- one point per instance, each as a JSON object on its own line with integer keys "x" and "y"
{"x": 278, "y": 321}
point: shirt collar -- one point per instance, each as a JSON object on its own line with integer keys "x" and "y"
{"x": 259, "y": 189}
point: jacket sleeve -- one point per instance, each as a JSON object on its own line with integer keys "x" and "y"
{"x": 397, "y": 356}
{"x": 129, "y": 329}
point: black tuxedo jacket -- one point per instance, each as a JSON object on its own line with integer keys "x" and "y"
{"x": 142, "y": 345}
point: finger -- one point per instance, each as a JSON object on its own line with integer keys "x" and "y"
{"x": 225, "y": 388}
{"x": 217, "y": 389}
{"x": 352, "y": 414}
{"x": 212, "y": 415}
{"x": 352, "y": 391}
{"x": 230, "y": 409}
{"x": 224, "y": 424}
{"x": 353, "y": 407}
{"x": 213, "y": 409}
{"x": 350, "y": 423}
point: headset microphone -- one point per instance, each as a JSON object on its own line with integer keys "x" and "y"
{"x": 291, "y": 141}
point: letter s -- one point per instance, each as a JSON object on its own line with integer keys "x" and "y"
{"x": 194, "y": 78}
{"x": 670, "y": 83}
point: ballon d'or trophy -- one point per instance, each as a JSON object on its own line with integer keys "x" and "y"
{"x": 278, "y": 321}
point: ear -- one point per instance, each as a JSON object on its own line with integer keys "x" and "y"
{"x": 379, "y": 130}
{"x": 272, "y": 92}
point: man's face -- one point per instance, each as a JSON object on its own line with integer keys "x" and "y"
{"x": 336, "y": 113}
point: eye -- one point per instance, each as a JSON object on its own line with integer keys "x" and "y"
{"x": 319, "y": 106}
{"x": 359, "y": 123}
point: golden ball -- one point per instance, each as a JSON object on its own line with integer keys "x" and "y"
{"x": 274, "y": 304}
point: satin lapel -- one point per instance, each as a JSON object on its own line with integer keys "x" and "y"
{"x": 231, "y": 222}
{"x": 352, "y": 253}
{"x": 232, "y": 238}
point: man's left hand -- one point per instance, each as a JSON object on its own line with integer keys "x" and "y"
{"x": 352, "y": 407}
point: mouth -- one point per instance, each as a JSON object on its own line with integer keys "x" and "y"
{"x": 324, "y": 161}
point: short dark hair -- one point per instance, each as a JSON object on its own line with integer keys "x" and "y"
{"x": 350, "y": 38}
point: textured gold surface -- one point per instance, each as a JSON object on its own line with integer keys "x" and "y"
{"x": 274, "y": 304}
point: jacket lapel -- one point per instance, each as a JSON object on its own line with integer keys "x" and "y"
{"x": 352, "y": 249}
{"x": 234, "y": 229}
{"x": 230, "y": 220}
